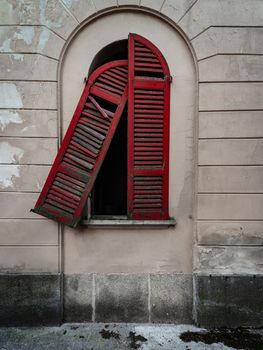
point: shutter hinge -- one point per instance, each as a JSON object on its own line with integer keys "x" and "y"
{"x": 171, "y": 78}
{"x": 86, "y": 79}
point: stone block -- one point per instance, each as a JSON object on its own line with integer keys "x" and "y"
{"x": 15, "y": 205}
{"x": 240, "y": 179}
{"x": 128, "y": 2}
{"x": 104, "y": 4}
{"x": 228, "y": 40}
{"x": 81, "y": 9}
{"x": 231, "y": 152}
{"x": 231, "y": 68}
{"x": 25, "y": 178}
{"x": 229, "y": 260}
{"x": 27, "y": 123}
{"x": 27, "y": 150}
{"x": 230, "y": 96}
{"x": 230, "y": 206}
{"x": 153, "y": 4}
{"x": 208, "y": 13}
{"x": 28, "y": 232}
{"x": 32, "y": 300}
{"x": 176, "y": 9}
{"x": 229, "y": 301}
{"x": 28, "y": 259}
{"x": 25, "y": 94}
{"x": 230, "y": 124}
{"x": 171, "y": 298}
{"x": 30, "y": 39}
{"x": 16, "y": 66}
{"x": 50, "y": 13}
{"x": 78, "y": 298}
{"x": 230, "y": 232}
{"x": 121, "y": 298}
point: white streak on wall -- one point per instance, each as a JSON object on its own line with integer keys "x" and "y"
{"x": 8, "y": 173}
{"x": 26, "y": 34}
{"x": 9, "y": 96}
{"x": 10, "y": 154}
{"x": 9, "y": 117}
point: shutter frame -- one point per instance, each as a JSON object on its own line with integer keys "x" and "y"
{"x": 70, "y": 174}
{"x": 144, "y": 203}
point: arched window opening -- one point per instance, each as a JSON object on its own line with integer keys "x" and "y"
{"x": 116, "y": 149}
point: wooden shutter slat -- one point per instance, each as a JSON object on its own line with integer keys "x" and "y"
{"x": 84, "y": 146}
{"x": 148, "y": 131}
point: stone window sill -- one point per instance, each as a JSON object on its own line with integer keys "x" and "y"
{"x": 123, "y": 222}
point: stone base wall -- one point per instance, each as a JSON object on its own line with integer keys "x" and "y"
{"x": 30, "y": 300}
{"x": 160, "y": 298}
{"x": 228, "y": 301}
{"x": 215, "y": 301}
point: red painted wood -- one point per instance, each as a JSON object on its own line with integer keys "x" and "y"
{"x": 84, "y": 147}
{"x": 148, "y": 131}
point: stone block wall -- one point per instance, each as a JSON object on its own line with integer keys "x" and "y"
{"x": 226, "y": 38}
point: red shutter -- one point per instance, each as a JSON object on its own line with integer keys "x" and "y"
{"x": 148, "y": 131}
{"x": 85, "y": 145}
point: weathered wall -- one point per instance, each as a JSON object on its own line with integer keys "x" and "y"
{"x": 226, "y": 36}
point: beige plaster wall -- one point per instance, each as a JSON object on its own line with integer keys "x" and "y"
{"x": 138, "y": 250}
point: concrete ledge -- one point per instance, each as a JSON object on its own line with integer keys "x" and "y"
{"x": 228, "y": 301}
{"x": 95, "y": 223}
{"x": 31, "y": 300}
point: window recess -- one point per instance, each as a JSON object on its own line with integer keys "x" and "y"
{"x": 115, "y": 153}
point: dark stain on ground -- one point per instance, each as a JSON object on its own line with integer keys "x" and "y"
{"x": 109, "y": 334}
{"x": 239, "y": 338}
{"x": 65, "y": 332}
{"x": 136, "y": 340}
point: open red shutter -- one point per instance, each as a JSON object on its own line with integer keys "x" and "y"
{"x": 85, "y": 144}
{"x": 148, "y": 131}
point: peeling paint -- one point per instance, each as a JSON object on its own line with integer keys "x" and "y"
{"x": 26, "y": 34}
{"x": 43, "y": 39}
{"x": 8, "y": 174}
{"x": 51, "y": 21}
{"x": 6, "y": 46}
{"x": 68, "y": 3}
{"x": 10, "y": 154}
{"x": 9, "y": 96}
{"x": 18, "y": 57}
{"x": 9, "y": 117}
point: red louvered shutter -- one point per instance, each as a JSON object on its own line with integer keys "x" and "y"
{"x": 148, "y": 131}
{"x": 85, "y": 144}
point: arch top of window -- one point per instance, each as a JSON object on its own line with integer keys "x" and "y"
{"x": 117, "y": 50}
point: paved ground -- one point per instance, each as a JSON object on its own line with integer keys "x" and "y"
{"x": 127, "y": 336}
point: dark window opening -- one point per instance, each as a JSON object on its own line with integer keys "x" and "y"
{"x": 109, "y": 195}
{"x": 118, "y": 50}
{"x": 148, "y": 75}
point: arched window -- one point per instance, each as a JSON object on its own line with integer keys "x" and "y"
{"x": 144, "y": 81}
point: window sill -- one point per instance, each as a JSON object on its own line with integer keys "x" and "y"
{"x": 116, "y": 223}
